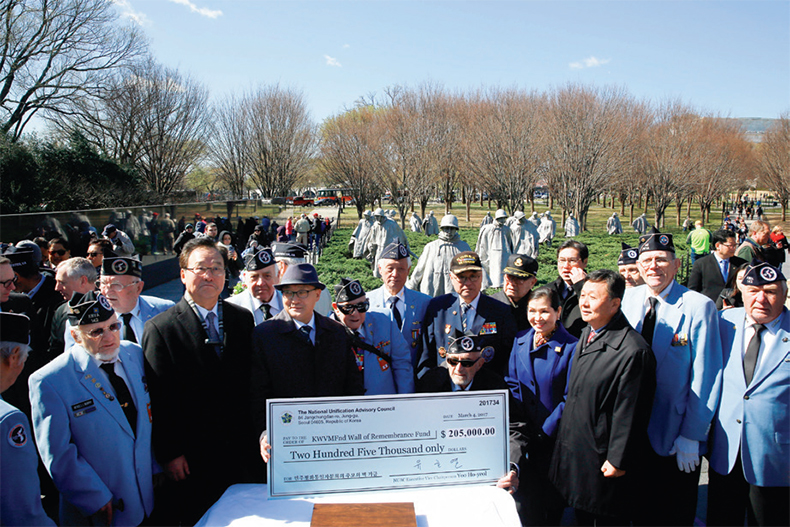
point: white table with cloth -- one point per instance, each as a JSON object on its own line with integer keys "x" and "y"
{"x": 455, "y": 506}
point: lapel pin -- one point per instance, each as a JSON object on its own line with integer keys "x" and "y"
{"x": 784, "y": 339}
{"x": 455, "y": 312}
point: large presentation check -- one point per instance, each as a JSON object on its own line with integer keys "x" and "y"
{"x": 344, "y": 444}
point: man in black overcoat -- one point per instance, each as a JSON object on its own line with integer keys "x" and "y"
{"x": 571, "y": 264}
{"x": 197, "y": 365}
{"x": 603, "y": 430}
{"x": 290, "y": 360}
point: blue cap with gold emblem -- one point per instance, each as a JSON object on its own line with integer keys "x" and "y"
{"x": 656, "y": 241}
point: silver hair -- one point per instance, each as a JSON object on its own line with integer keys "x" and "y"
{"x": 78, "y": 267}
{"x": 7, "y": 347}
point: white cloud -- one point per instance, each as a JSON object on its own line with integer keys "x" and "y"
{"x": 346, "y": 46}
{"x": 127, "y": 11}
{"x": 332, "y": 61}
{"x": 589, "y": 62}
{"x": 202, "y": 11}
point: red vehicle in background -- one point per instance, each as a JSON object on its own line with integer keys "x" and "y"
{"x": 299, "y": 201}
{"x": 333, "y": 196}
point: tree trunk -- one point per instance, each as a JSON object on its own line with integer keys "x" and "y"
{"x": 631, "y": 213}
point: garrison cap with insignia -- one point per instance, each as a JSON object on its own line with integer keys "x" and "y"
{"x": 521, "y": 266}
{"x": 629, "y": 255}
{"x": 347, "y": 290}
{"x": 656, "y": 241}
{"x": 471, "y": 344}
{"x": 14, "y": 327}
{"x": 394, "y": 251}
{"x": 289, "y": 250}
{"x": 21, "y": 258}
{"x": 762, "y": 273}
{"x": 121, "y": 266}
{"x": 260, "y": 260}
{"x": 90, "y": 308}
{"x": 465, "y": 261}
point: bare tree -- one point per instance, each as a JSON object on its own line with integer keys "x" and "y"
{"x": 282, "y": 139}
{"x": 774, "y": 160}
{"x": 228, "y": 145}
{"x": 505, "y": 145}
{"x": 54, "y": 52}
{"x": 353, "y": 153}
{"x": 588, "y": 131}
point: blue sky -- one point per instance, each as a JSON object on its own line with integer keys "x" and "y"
{"x": 726, "y": 57}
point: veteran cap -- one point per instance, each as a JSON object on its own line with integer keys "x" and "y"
{"x": 289, "y": 250}
{"x": 471, "y": 344}
{"x": 394, "y": 251}
{"x": 260, "y": 260}
{"x": 762, "y": 273}
{"x": 21, "y": 259}
{"x": 90, "y": 308}
{"x": 629, "y": 255}
{"x": 521, "y": 266}
{"x": 656, "y": 241}
{"x": 465, "y": 261}
{"x": 347, "y": 290}
{"x": 121, "y": 266}
{"x": 14, "y": 327}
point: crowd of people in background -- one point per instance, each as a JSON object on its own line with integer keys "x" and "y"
{"x": 144, "y": 411}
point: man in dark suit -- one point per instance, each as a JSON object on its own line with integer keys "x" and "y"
{"x": 299, "y": 352}
{"x": 469, "y": 312}
{"x": 711, "y": 272}
{"x": 603, "y": 431}
{"x": 38, "y": 286}
{"x": 198, "y": 362}
{"x": 571, "y": 264}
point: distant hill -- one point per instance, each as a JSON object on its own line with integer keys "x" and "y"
{"x": 755, "y": 127}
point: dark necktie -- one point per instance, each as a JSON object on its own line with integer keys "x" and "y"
{"x": 725, "y": 269}
{"x": 649, "y": 324}
{"x": 750, "y": 357}
{"x": 305, "y": 331}
{"x": 122, "y": 394}
{"x": 213, "y": 334}
{"x": 464, "y": 314}
{"x": 128, "y": 332}
{"x": 267, "y": 311}
{"x": 395, "y": 312}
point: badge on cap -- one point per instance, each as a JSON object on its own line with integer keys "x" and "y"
{"x": 264, "y": 257}
{"x": 120, "y": 267}
{"x": 467, "y": 344}
{"x": 519, "y": 262}
{"x": 768, "y": 274}
{"x": 402, "y": 251}
{"x": 355, "y": 288}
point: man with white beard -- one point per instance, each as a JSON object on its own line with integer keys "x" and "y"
{"x": 431, "y": 275}
{"x": 384, "y": 232}
{"x": 494, "y": 246}
{"x": 525, "y": 236}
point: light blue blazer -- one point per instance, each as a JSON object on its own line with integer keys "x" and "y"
{"x": 754, "y": 421}
{"x": 687, "y": 348}
{"x": 416, "y": 304}
{"x": 86, "y": 442}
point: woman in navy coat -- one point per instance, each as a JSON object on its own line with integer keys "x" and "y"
{"x": 538, "y": 376}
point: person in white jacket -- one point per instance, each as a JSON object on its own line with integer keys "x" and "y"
{"x": 525, "y": 236}
{"x": 432, "y": 273}
{"x": 494, "y": 246}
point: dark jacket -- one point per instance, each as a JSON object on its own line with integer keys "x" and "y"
{"x": 571, "y": 316}
{"x": 438, "y": 380}
{"x": 286, "y": 365}
{"x": 519, "y": 311}
{"x": 706, "y": 276}
{"x": 610, "y": 396}
{"x": 443, "y": 319}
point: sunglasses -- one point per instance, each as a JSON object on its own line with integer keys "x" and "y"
{"x": 466, "y": 363}
{"x": 7, "y": 283}
{"x": 59, "y": 252}
{"x": 98, "y": 332}
{"x": 347, "y": 309}
{"x": 93, "y": 255}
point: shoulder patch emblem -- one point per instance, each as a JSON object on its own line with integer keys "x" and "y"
{"x": 17, "y": 436}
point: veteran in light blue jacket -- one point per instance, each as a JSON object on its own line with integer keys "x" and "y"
{"x": 406, "y": 305}
{"x": 380, "y": 351}
{"x": 92, "y": 420}
{"x": 682, "y": 328}
{"x": 750, "y": 437}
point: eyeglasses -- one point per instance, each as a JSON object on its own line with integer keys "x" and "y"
{"x": 568, "y": 260}
{"x": 302, "y": 293}
{"x": 7, "y": 283}
{"x": 59, "y": 252}
{"x": 213, "y": 271}
{"x": 468, "y": 278}
{"x": 114, "y": 287}
{"x": 660, "y": 262}
{"x": 98, "y": 332}
{"x": 347, "y": 309}
{"x": 466, "y": 363}
{"x": 93, "y": 255}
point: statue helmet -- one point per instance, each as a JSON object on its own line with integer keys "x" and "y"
{"x": 449, "y": 221}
